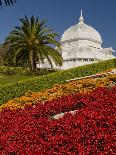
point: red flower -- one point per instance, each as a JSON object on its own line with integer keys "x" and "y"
{"x": 91, "y": 130}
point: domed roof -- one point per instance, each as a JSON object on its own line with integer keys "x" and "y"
{"x": 81, "y": 31}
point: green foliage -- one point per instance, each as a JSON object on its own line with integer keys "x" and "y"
{"x": 30, "y": 44}
{"x": 7, "y": 2}
{"x": 10, "y": 79}
{"x": 47, "y": 81}
{"x": 6, "y": 70}
{"x": 9, "y": 75}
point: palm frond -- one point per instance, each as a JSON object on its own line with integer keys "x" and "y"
{"x": 31, "y": 42}
{"x": 7, "y": 2}
{"x": 32, "y": 24}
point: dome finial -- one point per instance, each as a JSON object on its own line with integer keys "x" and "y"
{"x": 81, "y": 19}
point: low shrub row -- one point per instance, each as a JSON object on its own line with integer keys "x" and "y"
{"x": 91, "y": 130}
{"x": 81, "y": 86}
{"x": 47, "y": 81}
{"x": 6, "y": 70}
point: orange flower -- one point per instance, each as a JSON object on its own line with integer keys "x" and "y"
{"x": 81, "y": 86}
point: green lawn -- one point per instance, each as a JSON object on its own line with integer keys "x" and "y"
{"x": 4, "y": 80}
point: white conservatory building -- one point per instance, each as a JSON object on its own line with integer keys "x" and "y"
{"x": 82, "y": 44}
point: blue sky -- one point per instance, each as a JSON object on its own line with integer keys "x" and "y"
{"x": 61, "y": 14}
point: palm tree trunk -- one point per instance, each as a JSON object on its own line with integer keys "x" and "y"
{"x": 31, "y": 59}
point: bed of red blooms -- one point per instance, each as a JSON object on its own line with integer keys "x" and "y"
{"x": 90, "y": 131}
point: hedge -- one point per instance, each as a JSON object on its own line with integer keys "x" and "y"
{"x": 6, "y": 70}
{"x": 47, "y": 81}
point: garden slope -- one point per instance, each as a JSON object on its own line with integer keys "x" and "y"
{"x": 47, "y": 81}
{"x": 90, "y": 131}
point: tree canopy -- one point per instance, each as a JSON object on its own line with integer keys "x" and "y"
{"x": 33, "y": 43}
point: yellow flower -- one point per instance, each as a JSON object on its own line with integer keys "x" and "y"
{"x": 81, "y": 86}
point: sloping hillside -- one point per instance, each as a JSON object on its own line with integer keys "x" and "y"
{"x": 31, "y": 125}
{"x": 35, "y": 84}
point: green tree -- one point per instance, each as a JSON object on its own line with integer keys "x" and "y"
{"x": 7, "y": 2}
{"x": 32, "y": 42}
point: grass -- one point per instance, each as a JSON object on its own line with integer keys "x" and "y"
{"x": 5, "y": 80}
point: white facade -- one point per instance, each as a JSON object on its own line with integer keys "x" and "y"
{"x": 81, "y": 45}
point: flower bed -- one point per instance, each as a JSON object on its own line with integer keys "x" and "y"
{"x": 90, "y": 130}
{"x": 41, "y": 83}
{"x": 81, "y": 86}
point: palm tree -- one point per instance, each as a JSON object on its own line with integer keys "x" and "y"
{"x": 7, "y": 2}
{"x": 33, "y": 42}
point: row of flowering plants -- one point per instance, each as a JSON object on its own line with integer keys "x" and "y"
{"x": 90, "y": 131}
{"x": 81, "y": 86}
{"x": 16, "y": 89}
{"x": 105, "y": 71}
